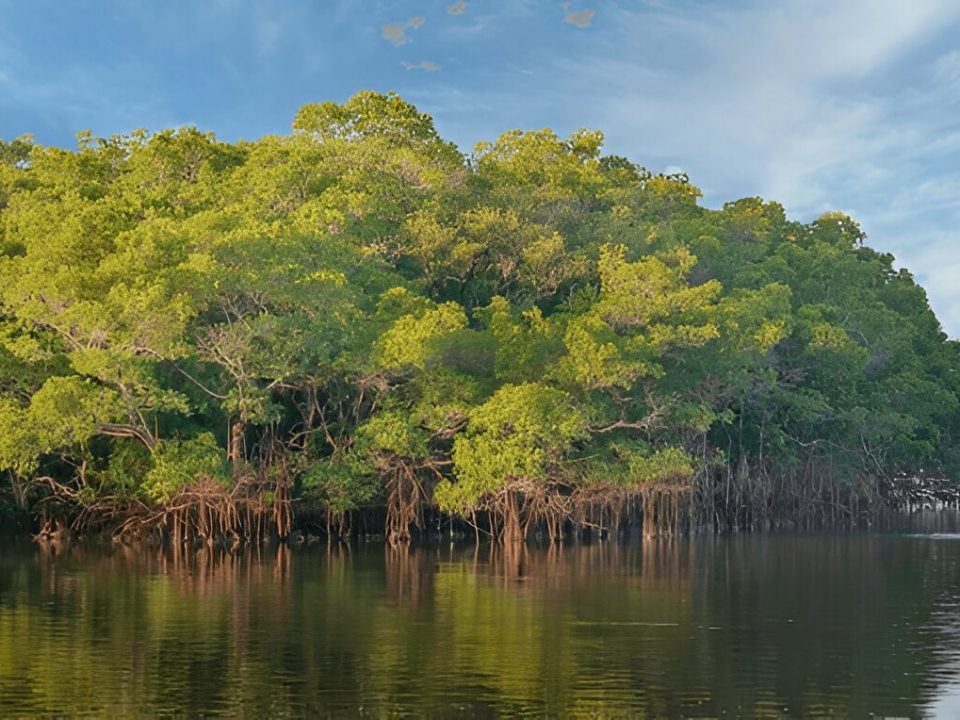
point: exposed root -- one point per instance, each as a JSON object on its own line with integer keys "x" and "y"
{"x": 406, "y": 497}
{"x": 203, "y": 512}
{"x": 52, "y": 531}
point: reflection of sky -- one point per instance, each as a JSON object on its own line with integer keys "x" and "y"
{"x": 947, "y": 652}
{"x": 948, "y": 704}
{"x": 818, "y": 104}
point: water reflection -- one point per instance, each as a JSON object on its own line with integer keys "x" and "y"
{"x": 840, "y": 625}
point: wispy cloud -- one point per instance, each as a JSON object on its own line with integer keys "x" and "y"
{"x": 396, "y": 33}
{"x": 581, "y": 18}
{"x": 947, "y": 68}
{"x": 268, "y": 36}
{"x": 424, "y": 65}
{"x": 816, "y": 104}
{"x": 457, "y": 8}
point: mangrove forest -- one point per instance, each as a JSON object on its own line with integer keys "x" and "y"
{"x": 358, "y": 329}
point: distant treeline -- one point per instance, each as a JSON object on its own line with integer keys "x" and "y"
{"x": 357, "y": 327}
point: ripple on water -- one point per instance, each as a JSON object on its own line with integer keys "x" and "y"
{"x": 842, "y": 626}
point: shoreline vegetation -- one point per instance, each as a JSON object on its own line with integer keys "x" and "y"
{"x": 355, "y": 329}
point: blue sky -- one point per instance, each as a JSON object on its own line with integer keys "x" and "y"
{"x": 851, "y": 105}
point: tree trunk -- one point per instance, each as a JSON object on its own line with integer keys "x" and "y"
{"x": 236, "y": 450}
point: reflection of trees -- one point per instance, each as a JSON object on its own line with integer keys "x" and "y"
{"x": 945, "y": 702}
{"x": 818, "y": 625}
{"x": 839, "y": 624}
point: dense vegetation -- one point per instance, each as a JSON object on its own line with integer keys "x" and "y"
{"x": 354, "y": 325}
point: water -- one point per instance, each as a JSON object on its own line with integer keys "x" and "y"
{"x": 769, "y": 626}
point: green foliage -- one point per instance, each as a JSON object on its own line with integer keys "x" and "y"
{"x": 666, "y": 464}
{"x": 67, "y": 410}
{"x": 409, "y": 341}
{"x": 366, "y": 114}
{"x": 358, "y": 293}
{"x": 19, "y": 449}
{"x": 180, "y": 463}
{"x": 519, "y": 433}
{"x": 127, "y": 467}
{"x": 633, "y": 464}
{"x": 395, "y": 433}
{"x": 342, "y": 483}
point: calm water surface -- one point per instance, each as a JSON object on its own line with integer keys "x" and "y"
{"x": 844, "y": 625}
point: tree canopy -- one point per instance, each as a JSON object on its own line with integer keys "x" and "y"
{"x": 359, "y": 316}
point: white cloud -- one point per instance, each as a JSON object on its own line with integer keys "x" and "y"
{"x": 397, "y": 33}
{"x": 581, "y": 18}
{"x": 457, "y": 8}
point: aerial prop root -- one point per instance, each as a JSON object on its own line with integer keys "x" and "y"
{"x": 204, "y": 511}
